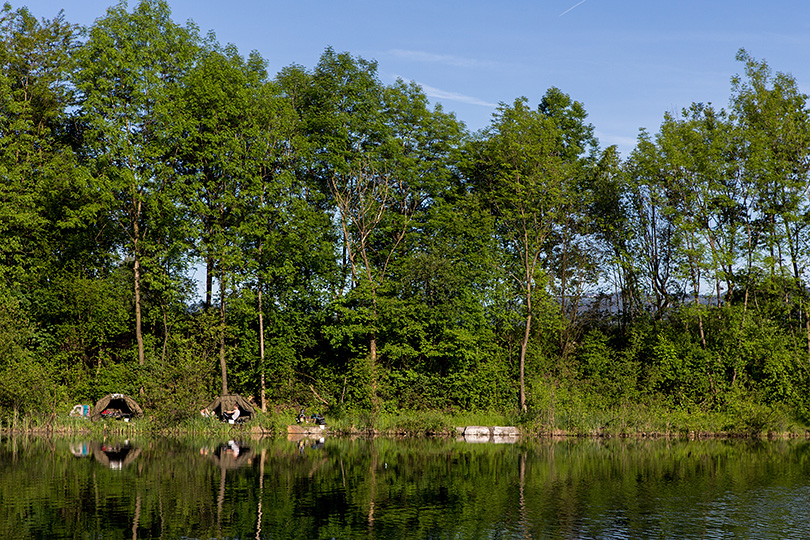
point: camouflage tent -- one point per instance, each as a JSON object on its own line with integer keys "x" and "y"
{"x": 116, "y": 406}
{"x": 227, "y": 402}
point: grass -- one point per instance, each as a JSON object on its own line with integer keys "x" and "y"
{"x": 566, "y": 419}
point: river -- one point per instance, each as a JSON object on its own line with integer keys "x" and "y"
{"x": 238, "y": 488}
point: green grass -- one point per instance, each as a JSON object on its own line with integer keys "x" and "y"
{"x": 567, "y": 418}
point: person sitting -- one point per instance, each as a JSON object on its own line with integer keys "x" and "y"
{"x": 231, "y": 416}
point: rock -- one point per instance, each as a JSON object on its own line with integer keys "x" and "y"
{"x": 479, "y": 434}
{"x": 306, "y": 430}
{"x": 476, "y": 431}
{"x": 505, "y": 431}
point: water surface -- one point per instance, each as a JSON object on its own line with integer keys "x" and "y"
{"x": 59, "y": 488}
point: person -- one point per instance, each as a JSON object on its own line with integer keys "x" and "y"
{"x": 231, "y": 416}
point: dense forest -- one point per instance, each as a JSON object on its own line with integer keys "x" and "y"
{"x": 176, "y": 223}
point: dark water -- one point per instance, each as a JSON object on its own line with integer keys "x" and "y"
{"x": 381, "y": 489}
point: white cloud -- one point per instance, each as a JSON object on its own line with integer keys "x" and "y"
{"x": 421, "y": 56}
{"x": 624, "y": 143}
{"x": 436, "y": 93}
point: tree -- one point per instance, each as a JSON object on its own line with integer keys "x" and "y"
{"x": 287, "y": 235}
{"x": 652, "y": 243}
{"x": 696, "y": 173}
{"x": 527, "y": 168}
{"x": 36, "y": 161}
{"x": 214, "y": 150}
{"x": 128, "y": 72}
{"x": 775, "y": 124}
{"x": 610, "y": 224}
{"x": 344, "y": 114}
{"x": 46, "y": 211}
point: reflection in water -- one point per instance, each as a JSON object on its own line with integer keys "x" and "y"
{"x": 380, "y": 489}
{"x": 115, "y": 455}
{"x": 80, "y": 449}
{"x": 230, "y": 455}
{"x": 262, "y": 460}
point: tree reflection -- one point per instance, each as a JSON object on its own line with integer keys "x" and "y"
{"x": 382, "y": 488}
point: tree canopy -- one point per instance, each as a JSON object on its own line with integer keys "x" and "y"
{"x": 176, "y": 223}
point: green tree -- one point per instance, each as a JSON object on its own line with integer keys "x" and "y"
{"x": 775, "y": 122}
{"x": 45, "y": 207}
{"x": 36, "y": 161}
{"x": 528, "y": 169}
{"x": 344, "y": 113}
{"x": 697, "y": 170}
{"x": 609, "y": 223}
{"x": 287, "y": 238}
{"x": 128, "y": 72}
{"x": 232, "y": 150}
{"x": 653, "y": 242}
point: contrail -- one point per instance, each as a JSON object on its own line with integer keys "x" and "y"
{"x": 572, "y": 7}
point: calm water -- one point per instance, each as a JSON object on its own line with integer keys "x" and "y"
{"x": 381, "y": 489}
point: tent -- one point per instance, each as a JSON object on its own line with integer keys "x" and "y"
{"x": 226, "y": 402}
{"x": 116, "y": 406}
{"x": 82, "y": 411}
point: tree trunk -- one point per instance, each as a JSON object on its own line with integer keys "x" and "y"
{"x": 523, "y": 347}
{"x": 222, "y": 337}
{"x": 261, "y": 353}
{"x": 165, "y": 335}
{"x": 138, "y": 317}
{"x": 372, "y": 359}
{"x": 209, "y": 281}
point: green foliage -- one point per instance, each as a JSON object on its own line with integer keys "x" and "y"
{"x": 366, "y": 254}
{"x": 608, "y": 373}
{"x": 28, "y": 385}
{"x": 423, "y": 423}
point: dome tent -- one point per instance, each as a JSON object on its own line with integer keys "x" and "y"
{"x": 226, "y": 402}
{"x": 116, "y": 406}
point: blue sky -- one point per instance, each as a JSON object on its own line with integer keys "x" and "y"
{"x": 628, "y": 62}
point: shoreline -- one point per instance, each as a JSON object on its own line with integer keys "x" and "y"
{"x": 514, "y": 433}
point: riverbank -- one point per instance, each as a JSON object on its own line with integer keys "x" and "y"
{"x": 433, "y": 424}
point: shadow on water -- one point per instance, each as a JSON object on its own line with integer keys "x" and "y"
{"x": 315, "y": 487}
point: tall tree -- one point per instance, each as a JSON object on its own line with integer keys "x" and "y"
{"x": 128, "y": 71}
{"x": 774, "y": 120}
{"x": 344, "y": 116}
{"x": 42, "y": 204}
{"x": 609, "y": 223}
{"x": 287, "y": 235}
{"x": 653, "y": 242}
{"x": 697, "y": 171}
{"x": 229, "y": 145}
{"x": 36, "y": 161}
{"x": 527, "y": 168}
